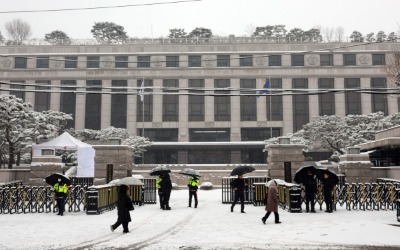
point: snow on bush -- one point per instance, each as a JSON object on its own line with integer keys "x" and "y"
{"x": 206, "y": 186}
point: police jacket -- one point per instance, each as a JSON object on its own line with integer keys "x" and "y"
{"x": 193, "y": 183}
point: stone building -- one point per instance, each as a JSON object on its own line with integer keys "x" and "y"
{"x": 200, "y": 101}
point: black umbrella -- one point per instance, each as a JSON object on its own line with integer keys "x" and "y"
{"x": 242, "y": 170}
{"x": 190, "y": 172}
{"x": 301, "y": 175}
{"x": 159, "y": 170}
{"x": 332, "y": 176}
{"x": 53, "y": 179}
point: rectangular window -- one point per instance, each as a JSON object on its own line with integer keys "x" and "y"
{"x": 42, "y": 62}
{"x": 20, "y": 63}
{"x": 145, "y": 108}
{"x": 194, "y": 61}
{"x": 196, "y": 100}
{"x": 300, "y": 104}
{"x": 172, "y": 61}
{"x": 222, "y": 100}
{"x": 93, "y": 62}
{"x": 274, "y": 102}
{"x": 167, "y": 134}
{"x": 246, "y": 60}
{"x": 248, "y": 103}
{"x": 71, "y": 62}
{"x": 93, "y": 105}
{"x": 206, "y": 134}
{"x": 121, "y": 62}
{"x": 68, "y": 100}
{"x": 216, "y": 156}
{"x": 379, "y": 101}
{"x": 170, "y": 100}
{"x": 275, "y": 60}
{"x": 298, "y": 60}
{"x": 352, "y": 98}
{"x": 252, "y": 156}
{"x": 143, "y": 61}
{"x": 119, "y": 103}
{"x": 223, "y": 60}
{"x": 42, "y": 98}
{"x": 18, "y": 89}
{"x": 349, "y": 59}
{"x": 159, "y": 156}
{"x": 378, "y": 59}
{"x": 326, "y": 59}
{"x": 326, "y": 100}
{"x": 259, "y": 134}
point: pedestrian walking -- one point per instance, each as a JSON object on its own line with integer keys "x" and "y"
{"x": 60, "y": 190}
{"x": 124, "y": 205}
{"x": 272, "y": 202}
{"x": 310, "y": 185}
{"x": 166, "y": 187}
{"x": 239, "y": 185}
{"x": 193, "y": 187}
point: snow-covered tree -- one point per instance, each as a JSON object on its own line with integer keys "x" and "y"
{"x": 200, "y": 32}
{"x": 381, "y": 36}
{"x": 108, "y": 33}
{"x": 1, "y": 38}
{"x": 392, "y": 37}
{"x": 370, "y": 37}
{"x": 138, "y": 144}
{"x": 356, "y": 37}
{"x": 177, "y": 33}
{"x": 295, "y": 35}
{"x": 48, "y": 125}
{"x": 57, "y": 37}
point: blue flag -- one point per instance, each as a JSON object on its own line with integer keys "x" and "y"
{"x": 265, "y": 88}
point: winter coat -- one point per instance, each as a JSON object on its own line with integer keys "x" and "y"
{"x": 328, "y": 185}
{"x": 239, "y": 184}
{"x": 272, "y": 199}
{"x": 165, "y": 184}
{"x": 310, "y": 184}
{"x": 124, "y": 205}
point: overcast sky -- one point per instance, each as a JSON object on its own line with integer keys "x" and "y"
{"x": 223, "y": 17}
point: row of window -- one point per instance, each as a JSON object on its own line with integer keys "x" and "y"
{"x": 196, "y": 103}
{"x": 195, "y": 61}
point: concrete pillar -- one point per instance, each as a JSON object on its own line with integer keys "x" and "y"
{"x": 235, "y": 111}
{"x": 157, "y": 100}
{"x": 287, "y": 107}
{"x": 55, "y": 96}
{"x": 366, "y": 98}
{"x": 313, "y": 99}
{"x": 80, "y": 106}
{"x": 340, "y": 100}
{"x": 30, "y": 96}
{"x": 132, "y": 108}
{"x": 106, "y": 106}
{"x": 209, "y": 101}
{"x": 261, "y": 102}
{"x": 183, "y": 111}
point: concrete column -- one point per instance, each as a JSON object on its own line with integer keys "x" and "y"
{"x": 366, "y": 98}
{"x": 82, "y": 62}
{"x": 55, "y": 97}
{"x": 132, "y": 62}
{"x": 287, "y": 107}
{"x": 340, "y": 101}
{"x": 338, "y": 59}
{"x": 30, "y": 96}
{"x": 209, "y": 101}
{"x": 184, "y": 61}
{"x": 392, "y": 105}
{"x": 183, "y": 112}
{"x": 80, "y": 106}
{"x": 31, "y": 63}
{"x": 235, "y": 61}
{"x": 132, "y": 108}
{"x": 106, "y": 106}
{"x": 157, "y": 100}
{"x": 235, "y": 111}
{"x": 313, "y": 99}
{"x": 261, "y": 102}
{"x": 286, "y": 60}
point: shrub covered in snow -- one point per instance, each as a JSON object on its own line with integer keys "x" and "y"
{"x": 206, "y": 186}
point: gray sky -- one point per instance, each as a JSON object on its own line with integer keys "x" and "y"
{"x": 223, "y": 17}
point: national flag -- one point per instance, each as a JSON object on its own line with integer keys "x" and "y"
{"x": 265, "y": 88}
{"x": 141, "y": 92}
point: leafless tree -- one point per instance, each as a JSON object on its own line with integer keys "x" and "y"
{"x": 393, "y": 66}
{"x": 18, "y": 31}
{"x": 339, "y": 33}
{"x": 328, "y": 33}
{"x": 250, "y": 29}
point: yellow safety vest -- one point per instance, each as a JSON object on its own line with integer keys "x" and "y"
{"x": 158, "y": 183}
{"x": 193, "y": 182}
{"x": 60, "y": 188}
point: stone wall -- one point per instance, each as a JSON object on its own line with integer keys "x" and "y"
{"x": 39, "y": 172}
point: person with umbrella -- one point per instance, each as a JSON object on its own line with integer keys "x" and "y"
{"x": 271, "y": 202}
{"x": 239, "y": 186}
{"x": 60, "y": 189}
{"x": 328, "y": 184}
{"x": 193, "y": 186}
{"x": 160, "y": 194}
{"x": 124, "y": 205}
{"x": 165, "y": 187}
{"x": 310, "y": 185}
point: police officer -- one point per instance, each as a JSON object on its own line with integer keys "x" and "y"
{"x": 160, "y": 193}
{"x": 239, "y": 186}
{"x": 166, "y": 187}
{"x": 61, "y": 193}
{"x": 193, "y": 186}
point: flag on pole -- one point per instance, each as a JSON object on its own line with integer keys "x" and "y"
{"x": 265, "y": 88}
{"x": 141, "y": 92}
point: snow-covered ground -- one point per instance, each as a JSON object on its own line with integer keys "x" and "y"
{"x": 210, "y": 226}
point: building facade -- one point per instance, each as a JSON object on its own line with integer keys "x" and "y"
{"x": 200, "y": 102}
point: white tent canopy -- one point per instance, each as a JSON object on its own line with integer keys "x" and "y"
{"x": 85, "y": 152}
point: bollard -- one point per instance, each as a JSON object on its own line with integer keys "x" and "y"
{"x": 92, "y": 196}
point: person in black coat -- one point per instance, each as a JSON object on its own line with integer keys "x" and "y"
{"x": 310, "y": 185}
{"x": 166, "y": 187}
{"x": 328, "y": 187}
{"x": 124, "y": 205}
{"x": 238, "y": 185}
